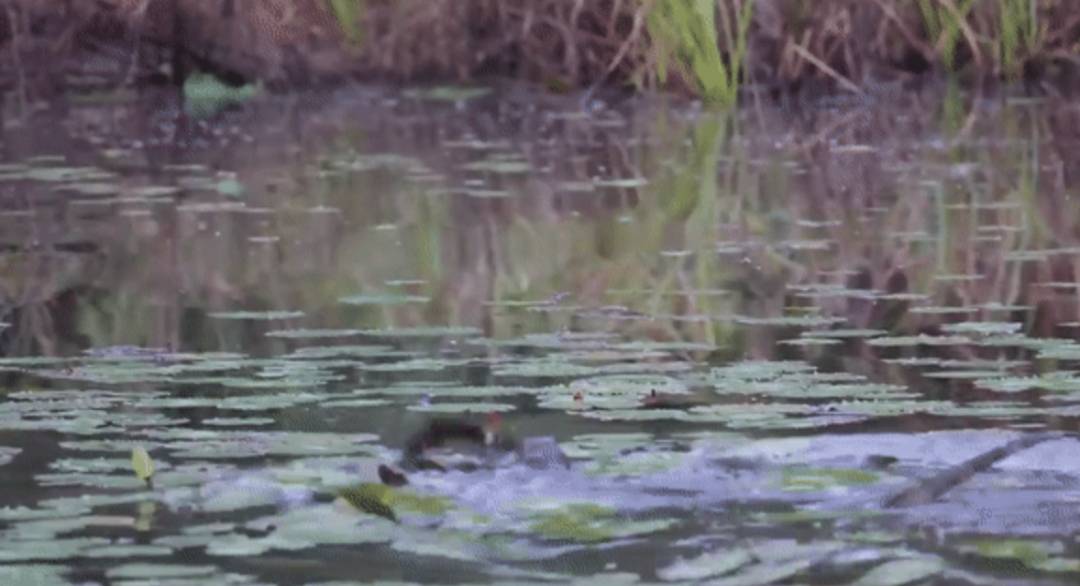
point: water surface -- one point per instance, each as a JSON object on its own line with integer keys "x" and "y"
{"x": 831, "y": 301}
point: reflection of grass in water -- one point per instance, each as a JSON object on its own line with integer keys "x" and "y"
{"x": 953, "y": 113}
{"x": 711, "y": 183}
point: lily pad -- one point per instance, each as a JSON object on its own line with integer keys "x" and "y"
{"x": 798, "y": 478}
{"x": 159, "y": 571}
{"x": 985, "y": 328}
{"x": 707, "y": 565}
{"x": 461, "y": 407}
{"x": 33, "y": 575}
{"x": 257, "y": 315}
{"x": 901, "y": 572}
{"x": 303, "y": 528}
{"x": 448, "y": 93}
{"x": 804, "y": 321}
{"x": 383, "y": 299}
{"x": 589, "y": 523}
{"x": 425, "y": 332}
{"x": 920, "y": 340}
{"x": 302, "y": 333}
{"x": 7, "y": 454}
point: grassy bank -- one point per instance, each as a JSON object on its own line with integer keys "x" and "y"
{"x": 709, "y": 48}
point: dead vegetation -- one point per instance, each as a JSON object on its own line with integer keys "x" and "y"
{"x": 681, "y": 44}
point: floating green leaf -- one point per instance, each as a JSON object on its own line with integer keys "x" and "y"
{"x": 901, "y": 572}
{"x": 257, "y": 315}
{"x": 142, "y": 464}
{"x": 706, "y": 565}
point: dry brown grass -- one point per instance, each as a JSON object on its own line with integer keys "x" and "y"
{"x": 846, "y": 44}
{"x": 282, "y": 42}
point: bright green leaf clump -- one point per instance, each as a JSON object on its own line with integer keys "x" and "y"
{"x": 142, "y": 464}
{"x": 813, "y": 479}
{"x": 382, "y": 500}
{"x": 589, "y": 523}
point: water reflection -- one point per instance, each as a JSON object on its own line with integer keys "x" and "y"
{"x": 684, "y": 218}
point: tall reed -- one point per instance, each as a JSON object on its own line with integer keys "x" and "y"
{"x": 686, "y": 36}
{"x": 944, "y": 21}
{"x": 347, "y": 14}
{"x": 1019, "y": 36}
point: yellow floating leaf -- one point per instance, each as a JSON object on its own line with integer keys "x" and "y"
{"x": 142, "y": 464}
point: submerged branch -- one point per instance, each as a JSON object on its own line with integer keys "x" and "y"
{"x": 930, "y": 489}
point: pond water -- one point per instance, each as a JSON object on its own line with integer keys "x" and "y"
{"x": 744, "y": 331}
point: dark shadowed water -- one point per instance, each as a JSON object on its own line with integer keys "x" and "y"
{"x": 746, "y": 333}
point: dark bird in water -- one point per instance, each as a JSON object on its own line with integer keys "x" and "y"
{"x": 482, "y": 441}
{"x": 668, "y": 401}
{"x": 391, "y": 477}
{"x": 446, "y": 444}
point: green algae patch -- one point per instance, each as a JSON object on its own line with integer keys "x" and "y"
{"x": 1033, "y": 554}
{"x": 589, "y": 523}
{"x": 385, "y": 501}
{"x": 801, "y": 478}
{"x": 142, "y": 465}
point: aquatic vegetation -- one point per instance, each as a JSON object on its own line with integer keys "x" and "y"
{"x": 448, "y": 93}
{"x": 382, "y": 500}
{"x": 1034, "y": 554}
{"x": 707, "y": 565}
{"x": 424, "y": 332}
{"x": 944, "y": 23}
{"x": 461, "y": 407}
{"x": 589, "y": 523}
{"x": 382, "y": 299}
{"x": 806, "y": 321}
{"x": 299, "y": 529}
{"x": 142, "y": 465}
{"x": 257, "y": 315}
{"x": 205, "y": 94}
{"x": 686, "y": 35}
{"x": 672, "y": 298}
{"x": 901, "y": 571}
{"x": 312, "y": 333}
{"x": 815, "y": 479}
